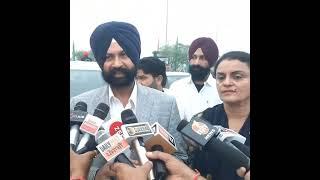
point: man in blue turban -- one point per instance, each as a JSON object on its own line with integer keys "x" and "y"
{"x": 117, "y": 47}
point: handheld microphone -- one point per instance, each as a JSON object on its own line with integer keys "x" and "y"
{"x": 110, "y": 154}
{"x": 233, "y": 139}
{"x": 164, "y": 142}
{"x": 76, "y": 118}
{"x": 92, "y": 123}
{"x": 204, "y": 134}
{"x": 134, "y": 132}
{"x": 161, "y": 137}
{"x": 243, "y": 148}
{"x": 159, "y": 167}
{"x": 87, "y": 142}
{"x": 228, "y": 135}
{"x": 112, "y": 126}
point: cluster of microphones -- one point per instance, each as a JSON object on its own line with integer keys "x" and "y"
{"x": 116, "y": 142}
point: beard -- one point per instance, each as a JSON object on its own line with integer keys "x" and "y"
{"x": 198, "y": 73}
{"x": 119, "y": 82}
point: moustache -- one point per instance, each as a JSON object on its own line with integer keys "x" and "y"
{"x": 197, "y": 67}
{"x": 117, "y": 70}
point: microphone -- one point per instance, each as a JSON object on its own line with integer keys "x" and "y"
{"x": 228, "y": 135}
{"x": 76, "y": 118}
{"x": 161, "y": 137}
{"x": 159, "y": 167}
{"x": 164, "y": 142}
{"x": 112, "y": 126}
{"x": 243, "y": 148}
{"x": 205, "y": 135}
{"x": 134, "y": 132}
{"x": 87, "y": 142}
{"x": 234, "y": 139}
{"x": 92, "y": 123}
{"x": 112, "y": 148}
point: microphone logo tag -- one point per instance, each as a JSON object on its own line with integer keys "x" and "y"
{"x": 77, "y": 115}
{"x": 200, "y": 128}
{"x": 115, "y": 127}
{"x": 138, "y": 130}
{"x": 91, "y": 124}
{"x": 171, "y": 140}
{"x": 113, "y": 146}
{"x": 211, "y": 133}
{"x": 167, "y": 136}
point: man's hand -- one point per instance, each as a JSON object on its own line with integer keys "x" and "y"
{"x": 177, "y": 169}
{"x": 242, "y": 173}
{"x": 80, "y": 163}
{"x": 126, "y": 172}
{"x": 106, "y": 172}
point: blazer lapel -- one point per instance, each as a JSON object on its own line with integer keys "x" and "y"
{"x": 144, "y": 103}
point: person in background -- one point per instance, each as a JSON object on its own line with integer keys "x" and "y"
{"x": 151, "y": 72}
{"x": 232, "y": 73}
{"x": 198, "y": 92}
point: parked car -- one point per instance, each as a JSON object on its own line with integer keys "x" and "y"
{"x": 173, "y": 76}
{"x": 85, "y": 76}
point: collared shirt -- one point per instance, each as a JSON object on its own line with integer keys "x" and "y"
{"x": 116, "y": 106}
{"x": 190, "y": 101}
{"x": 167, "y": 91}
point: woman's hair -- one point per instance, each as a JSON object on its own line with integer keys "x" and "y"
{"x": 233, "y": 55}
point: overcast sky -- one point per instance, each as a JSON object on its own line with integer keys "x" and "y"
{"x": 227, "y": 22}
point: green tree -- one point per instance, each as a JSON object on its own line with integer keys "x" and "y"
{"x": 80, "y": 54}
{"x": 177, "y": 55}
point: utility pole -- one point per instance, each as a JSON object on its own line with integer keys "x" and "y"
{"x": 73, "y": 52}
{"x": 167, "y": 24}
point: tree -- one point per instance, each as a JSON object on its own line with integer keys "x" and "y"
{"x": 177, "y": 55}
{"x": 84, "y": 55}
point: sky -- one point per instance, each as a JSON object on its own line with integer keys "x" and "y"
{"x": 227, "y": 22}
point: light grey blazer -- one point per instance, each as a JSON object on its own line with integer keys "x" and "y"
{"x": 152, "y": 106}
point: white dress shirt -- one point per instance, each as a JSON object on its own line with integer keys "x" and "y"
{"x": 190, "y": 101}
{"x": 167, "y": 91}
{"x": 116, "y": 106}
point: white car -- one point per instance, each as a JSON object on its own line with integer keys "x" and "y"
{"x": 173, "y": 76}
{"x": 85, "y": 76}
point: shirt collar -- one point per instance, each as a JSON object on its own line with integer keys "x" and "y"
{"x": 132, "y": 98}
{"x": 211, "y": 81}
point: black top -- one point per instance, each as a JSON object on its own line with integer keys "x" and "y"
{"x": 211, "y": 164}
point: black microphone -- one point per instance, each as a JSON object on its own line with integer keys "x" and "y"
{"x": 76, "y": 118}
{"x": 243, "y": 148}
{"x": 162, "y": 141}
{"x": 131, "y": 128}
{"x": 204, "y": 134}
{"x": 87, "y": 142}
{"x": 159, "y": 167}
{"x": 121, "y": 157}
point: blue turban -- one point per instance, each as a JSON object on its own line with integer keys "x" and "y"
{"x": 125, "y": 34}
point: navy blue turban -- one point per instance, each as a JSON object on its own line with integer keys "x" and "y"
{"x": 125, "y": 34}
